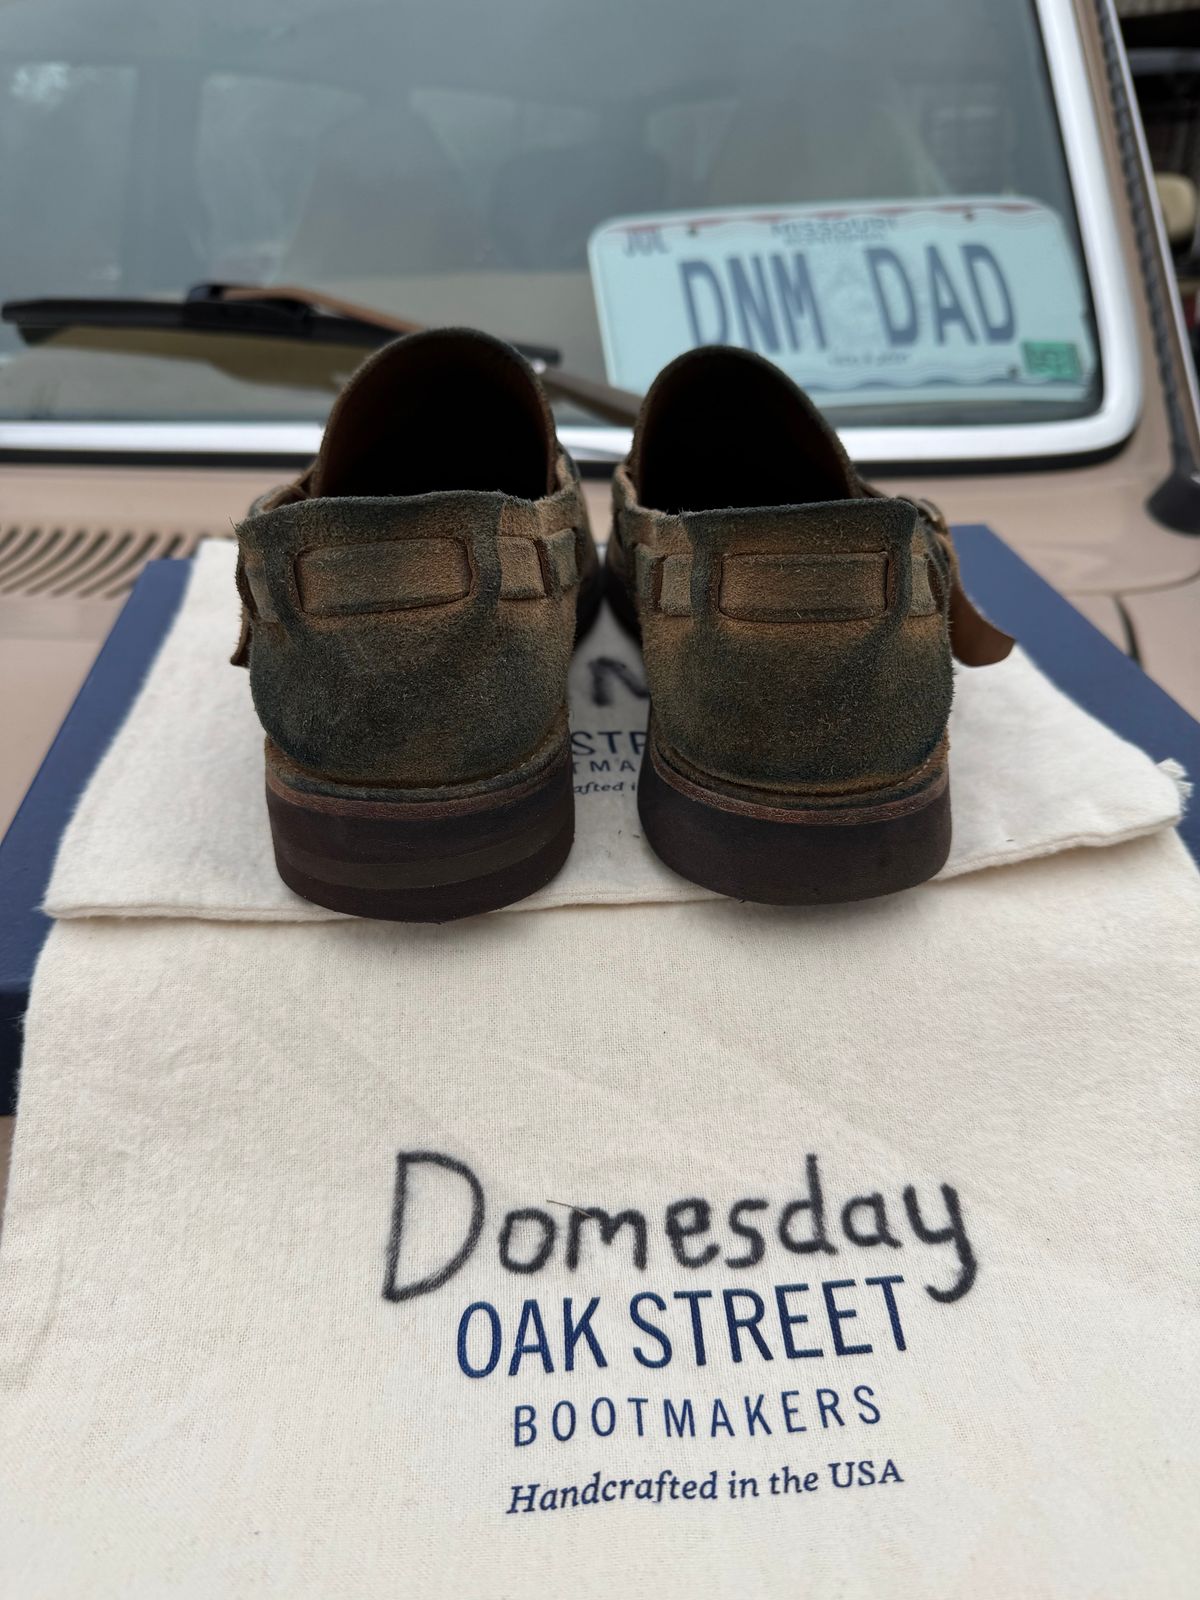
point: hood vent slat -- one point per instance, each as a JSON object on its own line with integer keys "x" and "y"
{"x": 83, "y": 563}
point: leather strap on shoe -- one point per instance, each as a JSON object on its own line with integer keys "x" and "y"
{"x": 282, "y": 494}
{"x": 975, "y": 641}
{"x": 241, "y": 652}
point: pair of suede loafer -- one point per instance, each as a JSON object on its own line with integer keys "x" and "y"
{"x": 411, "y": 603}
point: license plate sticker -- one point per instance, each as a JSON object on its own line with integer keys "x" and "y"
{"x": 878, "y": 303}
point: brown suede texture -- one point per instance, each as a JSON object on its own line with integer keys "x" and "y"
{"x": 383, "y": 649}
{"x": 794, "y": 622}
{"x": 848, "y": 687}
{"x": 411, "y": 599}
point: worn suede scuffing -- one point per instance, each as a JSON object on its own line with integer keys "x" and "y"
{"x": 848, "y": 702}
{"x": 426, "y": 694}
{"x": 410, "y": 601}
{"x": 797, "y": 652}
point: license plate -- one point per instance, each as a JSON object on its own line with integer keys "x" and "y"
{"x": 881, "y": 303}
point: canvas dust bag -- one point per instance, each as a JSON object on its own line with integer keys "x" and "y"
{"x": 690, "y": 1250}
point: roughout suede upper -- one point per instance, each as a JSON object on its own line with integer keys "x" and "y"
{"x": 420, "y": 638}
{"x": 795, "y": 624}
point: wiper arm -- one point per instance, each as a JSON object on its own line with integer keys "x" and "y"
{"x": 286, "y": 312}
{"x": 620, "y": 406}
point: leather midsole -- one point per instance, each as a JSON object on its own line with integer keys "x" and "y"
{"x": 429, "y": 807}
{"x": 851, "y": 810}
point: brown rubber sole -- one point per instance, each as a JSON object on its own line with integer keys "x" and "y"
{"x": 423, "y": 860}
{"x": 782, "y": 855}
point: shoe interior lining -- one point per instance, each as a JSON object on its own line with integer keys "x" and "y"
{"x": 729, "y": 430}
{"x": 440, "y": 416}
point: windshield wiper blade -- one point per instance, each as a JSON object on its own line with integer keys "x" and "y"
{"x": 288, "y": 312}
{"x": 218, "y": 308}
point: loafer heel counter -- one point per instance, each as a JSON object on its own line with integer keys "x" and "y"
{"x": 436, "y": 710}
{"x": 809, "y": 652}
{"x": 403, "y": 649}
